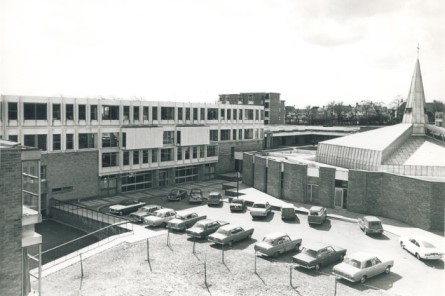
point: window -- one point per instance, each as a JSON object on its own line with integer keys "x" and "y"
{"x": 93, "y": 112}
{"x": 126, "y": 112}
{"x": 223, "y": 114}
{"x": 187, "y": 113}
{"x": 87, "y": 141}
{"x": 69, "y": 111}
{"x": 136, "y": 157}
{"x": 167, "y": 113}
{"x": 257, "y": 112}
{"x": 225, "y": 135}
{"x": 201, "y": 151}
{"x": 234, "y": 134}
{"x": 248, "y": 134}
{"x": 154, "y": 155}
{"x": 12, "y": 111}
{"x": 240, "y": 113}
{"x": 186, "y": 174}
{"x": 213, "y": 135}
{"x": 136, "y": 113}
{"x": 145, "y": 112}
{"x": 234, "y": 114}
{"x": 38, "y": 141}
{"x": 240, "y": 134}
{"x": 195, "y": 152}
{"x": 312, "y": 192}
{"x": 43, "y": 172}
{"x": 249, "y": 114}
{"x": 166, "y": 154}
{"x": 232, "y": 152}
{"x": 212, "y": 114}
{"x": 13, "y": 138}
{"x": 56, "y": 111}
{"x": 124, "y": 139}
{"x": 154, "y": 111}
{"x": 110, "y": 140}
{"x": 240, "y": 99}
{"x": 136, "y": 181}
{"x": 229, "y": 114}
{"x": 168, "y": 137}
{"x": 126, "y": 157}
{"x": 110, "y": 159}
{"x": 69, "y": 141}
{"x": 144, "y": 156}
{"x": 203, "y": 113}
{"x": 33, "y": 111}
{"x": 56, "y": 142}
{"x": 82, "y": 110}
{"x": 163, "y": 177}
{"x": 250, "y": 98}
{"x": 179, "y": 153}
{"x": 262, "y": 114}
{"x": 211, "y": 151}
{"x": 110, "y": 112}
{"x": 178, "y": 138}
{"x": 187, "y": 153}
{"x": 195, "y": 113}
{"x": 180, "y": 111}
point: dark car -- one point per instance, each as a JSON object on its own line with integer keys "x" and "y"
{"x": 177, "y": 194}
{"x": 125, "y": 207}
{"x": 317, "y": 215}
{"x": 237, "y": 204}
{"x": 205, "y": 227}
{"x": 195, "y": 196}
{"x": 215, "y": 199}
{"x": 316, "y": 255}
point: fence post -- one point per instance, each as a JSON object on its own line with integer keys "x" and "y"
{"x": 290, "y": 275}
{"x": 194, "y": 242}
{"x": 168, "y": 237}
{"x": 335, "y": 286}
{"x": 254, "y": 256}
{"x": 148, "y": 250}
{"x": 81, "y": 266}
{"x": 222, "y": 248}
{"x": 205, "y": 270}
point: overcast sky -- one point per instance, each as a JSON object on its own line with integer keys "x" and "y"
{"x": 311, "y": 51}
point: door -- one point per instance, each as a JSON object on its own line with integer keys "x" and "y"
{"x": 338, "y": 198}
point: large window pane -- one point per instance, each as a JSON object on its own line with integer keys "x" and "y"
{"x": 167, "y": 113}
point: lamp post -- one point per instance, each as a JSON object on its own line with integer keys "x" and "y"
{"x": 237, "y": 183}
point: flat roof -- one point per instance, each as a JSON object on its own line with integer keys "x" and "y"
{"x": 428, "y": 154}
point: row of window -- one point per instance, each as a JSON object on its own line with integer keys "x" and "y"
{"x": 38, "y": 111}
{"x": 225, "y": 134}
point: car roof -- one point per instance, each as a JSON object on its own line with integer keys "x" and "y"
{"x": 315, "y": 208}
{"x": 361, "y": 256}
{"x": 214, "y": 193}
{"x": 229, "y": 227}
{"x": 164, "y": 210}
{"x": 287, "y": 205}
{"x": 275, "y": 235}
{"x": 205, "y": 221}
{"x": 316, "y": 246}
{"x": 150, "y": 206}
{"x": 184, "y": 213}
{"x": 372, "y": 219}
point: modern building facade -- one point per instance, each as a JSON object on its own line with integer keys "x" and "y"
{"x": 20, "y": 245}
{"x": 100, "y": 147}
{"x": 274, "y": 109}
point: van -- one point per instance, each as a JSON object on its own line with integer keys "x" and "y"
{"x": 288, "y": 212}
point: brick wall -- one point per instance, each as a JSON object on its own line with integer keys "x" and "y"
{"x": 326, "y": 188}
{"x": 437, "y": 206}
{"x": 10, "y": 223}
{"x": 248, "y": 167}
{"x": 260, "y": 174}
{"x": 294, "y": 182}
{"x": 226, "y": 161}
{"x": 79, "y": 170}
{"x": 274, "y": 178}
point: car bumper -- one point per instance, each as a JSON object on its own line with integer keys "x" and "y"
{"x": 258, "y": 214}
{"x": 432, "y": 257}
{"x": 195, "y": 200}
{"x": 236, "y": 209}
{"x": 345, "y": 277}
{"x": 176, "y": 227}
{"x": 194, "y": 234}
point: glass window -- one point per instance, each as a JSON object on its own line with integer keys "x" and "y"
{"x": 169, "y": 137}
{"x": 43, "y": 172}
{"x": 180, "y": 110}
{"x": 212, "y": 114}
{"x": 225, "y": 135}
{"x": 124, "y": 139}
{"x": 229, "y": 114}
{"x": 135, "y": 157}
{"x": 166, "y": 154}
{"x": 187, "y": 153}
{"x": 234, "y": 134}
{"x": 38, "y": 141}
{"x": 126, "y": 157}
{"x": 110, "y": 159}
{"x": 179, "y": 153}
{"x": 248, "y": 134}
{"x": 240, "y": 134}
{"x": 110, "y": 112}
{"x": 13, "y": 138}
{"x": 33, "y": 111}
{"x": 69, "y": 141}
{"x": 178, "y": 138}
{"x": 249, "y": 114}
{"x": 145, "y": 111}
{"x": 195, "y": 113}
{"x": 195, "y": 152}
{"x": 201, "y": 151}
{"x": 82, "y": 110}
{"x": 69, "y": 111}
{"x": 187, "y": 113}
{"x": 240, "y": 113}
{"x": 126, "y": 112}
{"x": 136, "y": 113}
{"x": 186, "y": 174}
{"x": 257, "y": 114}
{"x": 213, "y": 135}
{"x": 12, "y": 111}
{"x": 87, "y": 141}
{"x": 211, "y": 151}
{"x": 93, "y": 112}
{"x": 223, "y": 114}
{"x": 167, "y": 113}
{"x": 144, "y": 156}
{"x": 262, "y": 114}
{"x": 154, "y": 155}
{"x": 56, "y": 142}
{"x": 203, "y": 114}
{"x": 56, "y": 112}
{"x": 154, "y": 111}
{"x": 110, "y": 140}
{"x": 234, "y": 114}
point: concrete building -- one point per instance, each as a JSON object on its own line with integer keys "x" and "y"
{"x": 19, "y": 212}
{"x": 274, "y": 109}
{"x": 100, "y": 147}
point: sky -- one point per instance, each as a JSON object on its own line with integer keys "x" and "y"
{"x": 312, "y": 52}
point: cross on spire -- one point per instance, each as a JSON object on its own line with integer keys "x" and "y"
{"x": 418, "y": 48}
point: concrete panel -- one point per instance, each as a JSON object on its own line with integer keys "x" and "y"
{"x": 260, "y": 174}
{"x": 274, "y": 178}
{"x": 326, "y": 189}
{"x": 248, "y": 167}
{"x": 294, "y": 182}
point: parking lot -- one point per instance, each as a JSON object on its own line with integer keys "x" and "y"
{"x": 409, "y": 276}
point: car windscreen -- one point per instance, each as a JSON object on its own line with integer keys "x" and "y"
{"x": 259, "y": 206}
{"x": 237, "y": 201}
{"x": 314, "y": 213}
{"x": 175, "y": 191}
{"x": 268, "y": 240}
{"x": 310, "y": 252}
{"x": 199, "y": 225}
{"x": 375, "y": 224}
{"x": 223, "y": 232}
{"x": 352, "y": 262}
{"x": 160, "y": 215}
{"x": 427, "y": 244}
{"x": 180, "y": 217}
{"x": 196, "y": 191}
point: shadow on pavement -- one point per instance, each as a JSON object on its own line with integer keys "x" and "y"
{"x": 324, "y": 227}
{"x": 378, "y": 236}
{"x": 437, "y": 264}
{"x": 268, "y": 218}
{"x": 382, "y": 281}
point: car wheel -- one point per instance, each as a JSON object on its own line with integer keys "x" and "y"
{"x": 230, "y": 243}
{"x": 120, "y": 213}
{"x": 297, "y": 247}
{"x": 317, "y": 267}
{"x": 164, "y": 224}
{"x": 388, "y": 270}
{"x": 402, "y": 245}
{"x": 249, "y": 236}
{"x": 363, "y": 279}
{"x": 276, "y": 255}
{"x": 418, "y": 256}
{"x": 341, "y": 257}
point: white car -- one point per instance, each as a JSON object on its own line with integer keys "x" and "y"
{"x": 260, "y": 209}
{"x": 160, "y": 217}
{"x": 420, "y": 248}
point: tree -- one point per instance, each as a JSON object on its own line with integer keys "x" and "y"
{"x": 366, "y": 106}
{"x": 308, "y": 113}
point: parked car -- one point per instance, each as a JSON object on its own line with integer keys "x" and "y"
{"x": 125, "y": 207}
{"x": 228, "y": 234}
{"x": 420, "y": 248}
{"x": 277, "y": 243}
{"x": 288, "y": 212}
{"x": 177, "y": 194}
{"x": 215, "y": 199}
{"x": 361, "y": 266}
{"x": 144, "y": 212}
{"x": 195, "y": 195}
{"x": 260, "y": 209}
{"x": 205, "y": 227}
{"x": 370, "y": 225}
{"x": 160, "y": 217}
{"x": 317, "y": 215}
{"x": 184, "y": 219}
{"x": 238, "y": 205}
{"x": 314, "y": 256}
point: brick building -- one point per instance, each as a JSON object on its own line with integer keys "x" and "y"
{"x": 274, "y": 109}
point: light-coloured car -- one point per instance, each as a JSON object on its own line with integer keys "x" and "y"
{"x": 275, "y": 244}
{"x": 125, "y": 207}
{"x": 215, "y": 199}
{"x": 228, "y": 234}
{"x": 361, "y": 266}
{"x": 205, "y": 227}
{"x": 238, "y": 205}
{"x": 160, "y": 217}
{"x": 316, "y": 255}
{"x": 317, "y": 215}
{"x": 420, "y": 248}
{"x": 370, "y": 225}
{"x": 184, "y": 220}
{"x": 195, "y": 195}
{"x": 260, "y": 209}
{"x": 144, "y": 212}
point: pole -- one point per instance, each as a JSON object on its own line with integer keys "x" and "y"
{"x": 222, "y": 248}
{"x": 81, "y": 266}
{"x": 148, "y": 251}
{"x": 194, "y": 242}
{"x": 168, "y": 237}
{"x": 335, "y": 286}
{"x": 254, "y": 255}
{"x": 290, "y": 276}
{"x": 205, "y": 270}
{"x": 237, "y": 183}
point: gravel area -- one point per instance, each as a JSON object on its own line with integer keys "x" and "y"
{"x": 123, "y": 270}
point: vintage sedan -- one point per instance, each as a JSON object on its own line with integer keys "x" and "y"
{"x": 314, "y": 256}
{"x": 277, "y": 243}
{"x": 228, "y": 234}
{"x": 195, "y": 196}
{"x": 183, "y": 220}
{"x": 215, "y": 199}
{"x": 205, "y": 227}
{"x": 317, "y": 215}
{"x": 361, "y": 266}
{"x": 125, "y": 207}
{"x": 177, "y": 194}
{"x": 160, "y": 217}
{"x": 260, "y": 209}
{"x": 238, "y": 205}
{"x": 370, "y": 225}
{"x": 420, "y": 248}
{"x": 138, "y": 217}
